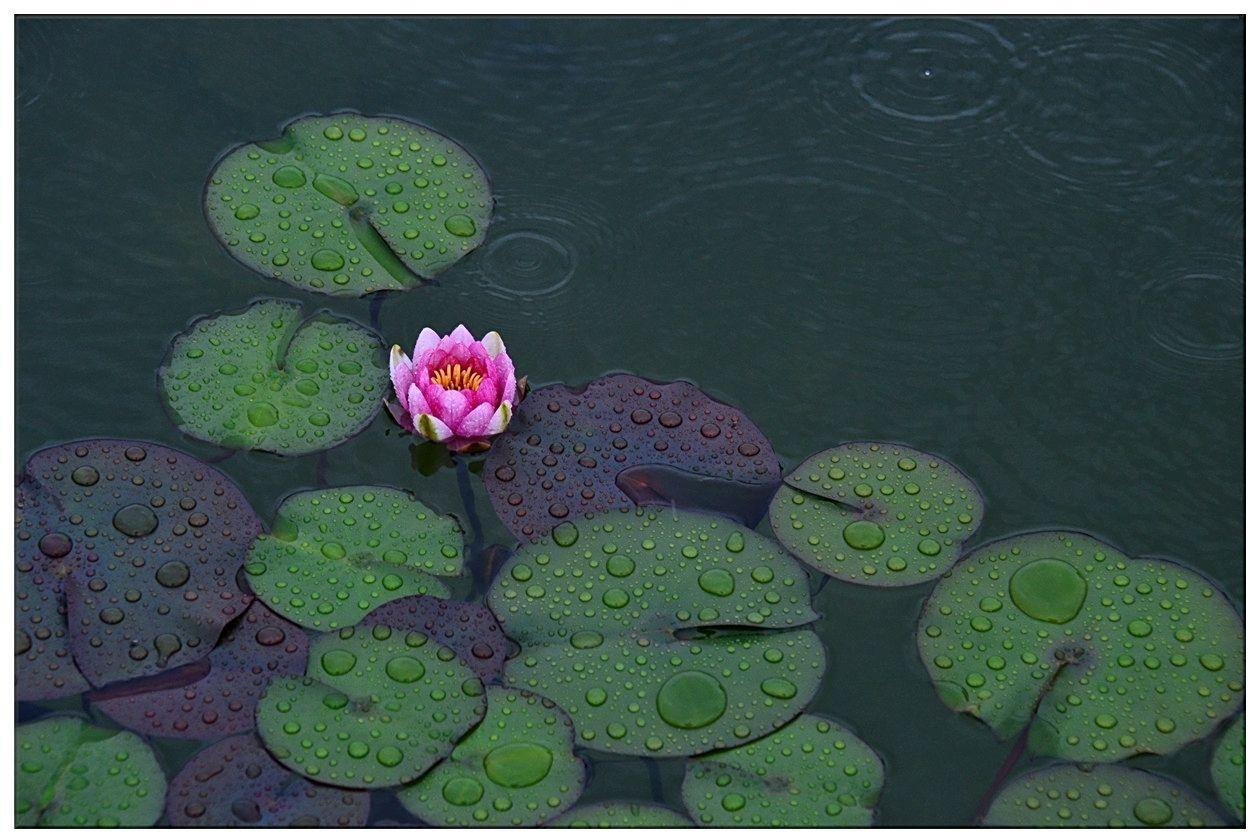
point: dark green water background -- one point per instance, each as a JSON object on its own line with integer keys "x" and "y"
{"x": 1014, "y": 242}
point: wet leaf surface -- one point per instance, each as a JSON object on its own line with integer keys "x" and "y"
{"x": 654, "y": 631}
{"x": 263, "y": 378}
{"x": 1229, "y": 767}
{"x": 621, "y": 814}
{"x": 471, "y": 630}
{"x": 347, "y": 204}
{"x": 623, "y": 442}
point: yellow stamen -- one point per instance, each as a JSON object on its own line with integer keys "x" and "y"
{"x": 454, "y": 378}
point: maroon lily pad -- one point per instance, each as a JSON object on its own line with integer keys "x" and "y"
{"x": 220, "y": 699}
{"x": 150, "y": 540}
{"x": 624, "y": 442}
{"x": 236, "y": 782}
{"x": 469, "y": 629}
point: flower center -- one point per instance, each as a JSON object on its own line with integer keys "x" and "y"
{"x": 454, "y": 378}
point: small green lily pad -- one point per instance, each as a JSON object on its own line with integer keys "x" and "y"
{"x": 335, "y": 555}
{"x": 880, "y": 514}
{"x": 345, "y": 204}
{"x": 1104, "y": 796}
{"x": 262, "y": 378}
{"x": 812, "y": 772}
{"x": 1229, "y": 767}
{"x": 377, "y": 708}
{"x": 621, "y": 814}
{"x": 517, "y": 768}
{"x": 1109, "y": 656}
{"x": 72, "y": 775}
{"x": 651, "y": 629}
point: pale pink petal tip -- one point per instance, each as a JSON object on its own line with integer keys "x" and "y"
{"x": 493, "y": 342}
{"x": 500, "y": 420}
{"x": 432, "y": 428}
{"x": 461, "y": 335}
{"x": 427, "y": 340}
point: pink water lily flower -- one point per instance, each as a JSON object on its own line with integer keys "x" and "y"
{"x": 454, "y": 389}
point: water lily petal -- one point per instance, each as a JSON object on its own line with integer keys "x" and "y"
{"x": 475, "y": 422}
{"x": 493, "y": 343}
{"x": 462, "y": 335}
{"x": 427, "y": 340}
{"x": 452, "y": 407}
{"x": 505, "y": 373}
{"x": 416, "y": 402}
{"x": 400, "y": 373}
{"x": 500, "y": 420}
{"x": 432, "y": 428}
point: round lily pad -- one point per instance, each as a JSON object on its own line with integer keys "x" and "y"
{"x": 1229, "y": 767}
{"x": 517, "y": 768}
{"x": 377, "y": 708}
{"x": 621, "y": 814}
{"x": 653, "y": 630}
{"x": 624, "y": 441}
{"x": 236, "y": 783}
{"x": 880, "y": 514}
{"x": 141, "y": 544}
{"x": 262, "y": 378}
{"x": 1108, "y": 656}
{"x": 812, "y": 772}
{"x": 335, "y": 555}
{"x": 470, "y": 630}
{"x": 255, "y": 648}
{"x": 1102, "y": 796}
{"x": 345, "y": 204}
{"x": 73, "y": 775}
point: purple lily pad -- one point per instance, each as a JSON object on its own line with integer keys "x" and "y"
{"x": 236, "y": 782}
{"x": 138, "y": 546}
{"x": 471, "y": 630}
{"x": 624, "y": 442}
{"x": 220, "y": 697}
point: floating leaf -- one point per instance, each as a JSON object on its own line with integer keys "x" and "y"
{"x": 470, "y": 630}
{"x": 377, "y": 708}
{"x": 1068, "y": 796}
{"x": 262, "y": 378}
{"x": 218, "y": 700}
{"x": 516, "y": 768}
{"x": 1229, "y": 767}
{"x": 141, "y": 544}
{"x": 627, "y": 620}
{"x": 346, "y": 204}
{"x": 625, "y": 441}
{"x": 71, "y": 775}
{"x": 619, "y": 814}
{"x": 236, "y": 783}
{"x": 812, "y": 772}
{"x": 879, "y": 514}
{"x": 1110, "y": 657}
{"x": 335, "y": 555}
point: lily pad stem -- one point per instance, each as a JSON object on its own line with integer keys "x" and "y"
{"x": 463, "y": 479}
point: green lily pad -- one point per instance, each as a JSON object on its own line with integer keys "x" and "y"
{"x": 812, "y": 772}
{"x": 345, "y": 204}
{"x": 377, "y": 708}
{"x": 621, "y": 814}
{"x": 880, "y": 514}
{"x": 652, "y": 629}
{"x": 335, "y": 555}
{"x": 262, "y": 378}
{"x": 517, "y": 768}
{"x": 1108, "y": 656}
{"x": 71, "y": 774}
{"x": 1229, "y": 767}
{"x": 1104, "y": 796}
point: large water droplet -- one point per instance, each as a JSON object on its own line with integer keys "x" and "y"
{"x": 1048, "y": 590}
{"x": 690, "y": 700}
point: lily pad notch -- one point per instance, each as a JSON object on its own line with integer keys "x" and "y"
{"x": 347, "y": 204}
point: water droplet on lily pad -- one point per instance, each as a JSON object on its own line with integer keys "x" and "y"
{"x": 621, "y": 814}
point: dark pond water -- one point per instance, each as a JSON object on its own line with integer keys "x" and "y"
{"x": 1014, "y": 242}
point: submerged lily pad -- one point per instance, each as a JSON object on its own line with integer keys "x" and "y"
{"x": 220, "y": 699}
{"x": 1108, "y": 656}
{"x": 1104, "y": 796}
{"x": 650, "y": 629}
{"x": 141, "y": 544}
{"x": 470, "y": 630}
{"x": 377, "y": 708}
{"x": 345, "y": 204}
{"x": 880, "y": 514}
{"x": 236, "y": 783}
{"x": 71, "y": 775}
{"x": 517, "y": 768}
{"x": 335, "y": 555}
{"x": 621, "y": 814}
{"x": 262, "y": 378}
{"x": 1229, "y": 767}
{"x": 623, "y": 441}
{"x": 812, "y": 772}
